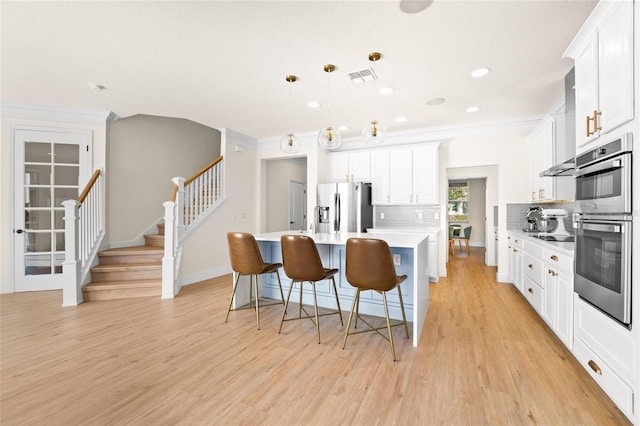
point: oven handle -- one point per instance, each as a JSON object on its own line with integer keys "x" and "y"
{"x": 599, "y": 227}
{"x": 614, "y": 164}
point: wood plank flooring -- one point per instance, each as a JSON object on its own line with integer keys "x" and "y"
{"x": 485, "y": 357}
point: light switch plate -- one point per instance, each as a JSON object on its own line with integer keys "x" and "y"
{"x": 396, "y": 259}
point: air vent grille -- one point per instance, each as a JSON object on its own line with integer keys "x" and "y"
{"x": 364, "y": 76}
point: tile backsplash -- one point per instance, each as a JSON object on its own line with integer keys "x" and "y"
{"x": 406, "y": 216}
{"x": 516, "y": 214}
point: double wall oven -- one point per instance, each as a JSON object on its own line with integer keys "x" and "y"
{"x": 604, "y": 226}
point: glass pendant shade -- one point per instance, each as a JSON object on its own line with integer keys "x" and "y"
{"x": 374, "y": 133}
{"x": 289, "y": 144}
{"x": 329, "y": 138}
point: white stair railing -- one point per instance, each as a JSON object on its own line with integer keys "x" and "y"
{"x": 84, "y": 231}
{"x": 192, "y": 201}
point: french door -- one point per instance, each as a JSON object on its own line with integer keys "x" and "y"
{"x": 50, "y": 167}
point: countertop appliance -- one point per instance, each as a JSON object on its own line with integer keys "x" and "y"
{"x": 604, "y": 228}
{"x": 344, "y": 207}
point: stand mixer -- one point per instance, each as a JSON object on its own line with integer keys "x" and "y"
{"x": 555, "y": 215}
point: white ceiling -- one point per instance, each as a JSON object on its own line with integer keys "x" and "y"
{"x": 224, "y": 64}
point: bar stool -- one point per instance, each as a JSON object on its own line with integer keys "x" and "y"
{"x": 302, "y": 263}
{"x": 247, "y": 260}
{"x": 370, "y": 267}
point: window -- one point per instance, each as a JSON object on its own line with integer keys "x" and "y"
{"x": 458, "y": 201}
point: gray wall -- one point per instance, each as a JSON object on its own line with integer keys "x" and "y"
{"x": 143, "y": 154}
{"x": 279, "y": 174}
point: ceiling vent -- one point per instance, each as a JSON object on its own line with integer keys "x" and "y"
{"x": 364, "y": 76}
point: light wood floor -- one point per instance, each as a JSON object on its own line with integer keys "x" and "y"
{"x": 485, "y": 357}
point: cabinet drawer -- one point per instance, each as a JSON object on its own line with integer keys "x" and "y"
{"x": 607, "y": 338}
{"x": 560, "y": 261}
{"x": 532, "y": 248}
{"x": 609, "y": 381}
{"x": 532, "y": 268}
{"x": 533, "y": 293}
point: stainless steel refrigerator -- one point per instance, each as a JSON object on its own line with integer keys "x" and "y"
{"x": 344, "y": 207}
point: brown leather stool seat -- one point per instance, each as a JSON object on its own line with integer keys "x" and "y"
{"x": 302, "y": 263}
{"x": 369, "y": 266}
{"x": 247, "y": 260}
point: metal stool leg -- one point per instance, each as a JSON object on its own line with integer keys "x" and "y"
{"x": 386, "y": 313}
{"x": 233, "y": 294}
{"x": 335, "y": 290}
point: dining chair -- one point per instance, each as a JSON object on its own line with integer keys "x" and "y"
{"x": 466, "y": 234}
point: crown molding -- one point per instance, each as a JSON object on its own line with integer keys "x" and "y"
{"x": 432, "y": 134}
{"x": 57, "y": 114}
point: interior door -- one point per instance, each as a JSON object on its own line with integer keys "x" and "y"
{"x": 297, "y": 206}
{"x": 50, "y": 167}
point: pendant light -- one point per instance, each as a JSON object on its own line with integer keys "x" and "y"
{"x": 288, "y": 143}
{"x": 329, "y": 137}
{"x": 373, "y": 133}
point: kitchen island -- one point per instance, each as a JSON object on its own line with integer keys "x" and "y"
{"x": 410, "y": 249}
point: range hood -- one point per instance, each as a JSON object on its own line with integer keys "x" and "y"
{"x": 562, "y": 169}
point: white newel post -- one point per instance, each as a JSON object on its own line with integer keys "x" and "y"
{"x": 169, "y": 258}
{"x": 180, "y": 201}
{"x": 71, "y": 287}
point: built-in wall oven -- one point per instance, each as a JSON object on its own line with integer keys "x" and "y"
{"x": 604, "y": 225}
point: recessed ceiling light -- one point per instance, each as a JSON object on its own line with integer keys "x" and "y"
{"x": 97, "y": 87}
{"x": 473, "y": 109}
{"x": 480, "y": 72}
{"x": 313, "y": 104}
{"x": 401, "y": 119}
{"x": 414, "y": 6}
{"x": 343, "y": 128}
{"x": 386, "y": 90}
{"x": 436, "y": 101}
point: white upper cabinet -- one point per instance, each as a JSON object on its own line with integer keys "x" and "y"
{"x": 405, "y": 175}
{"x": 603, "y": 53}
{"x": 349, "y": 167}
{"x": 541, "y": 150}
{"x": 425, "y": 175}
{"x": 380, "y": 177}
{"x": 400, "y": 176}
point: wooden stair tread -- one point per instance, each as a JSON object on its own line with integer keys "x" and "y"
{"x": 105, "y": 285}
{"x": 131, "y": 250}
{"x": 126, "y": 267}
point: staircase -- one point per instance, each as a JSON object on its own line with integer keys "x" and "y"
{"x": 128, "y": 272}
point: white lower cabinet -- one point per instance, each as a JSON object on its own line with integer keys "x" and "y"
{"x": 546, "y": 276}
{"x": 607, "y": 352}
{"x": 558, "y": 287}
{"x": 533, "y": 293}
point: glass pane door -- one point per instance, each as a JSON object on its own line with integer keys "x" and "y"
{"x": 51, "y": 176}
{"x": 50, "y": 167}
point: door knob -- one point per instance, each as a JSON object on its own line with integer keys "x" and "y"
{"x": 19, "y": 231}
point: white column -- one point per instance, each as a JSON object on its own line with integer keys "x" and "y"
{"x": 169, "y": 258}
{"x": 71, "y": 287}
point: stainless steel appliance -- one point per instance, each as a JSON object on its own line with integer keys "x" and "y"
{"x": 604, "y": 225}
{"x": 344, "y": 207}
{"x": 603, "y": 263}
{"x": 603, "y": 178}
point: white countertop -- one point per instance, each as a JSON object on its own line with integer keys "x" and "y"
{"x": 565, "y": 248}
{"x": 400, "y": 240}
{"x": 429, "y": 229}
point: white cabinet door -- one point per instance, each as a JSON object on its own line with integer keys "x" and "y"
{"x": 586, "y": 64}
{"x": 400, "y": 176}
{"x": 338, "y": 167}
{"x": 360, "y": 166}
{"x": 380, "y": 177}
{"x": 425, "y": 175}
{"x": 564, "y": 319}
{"x": 604, "y": 77}
{"x": 615, "y": 53}
{"x": 550, "y": 299}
